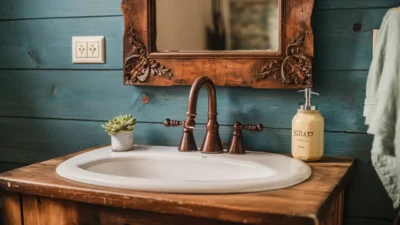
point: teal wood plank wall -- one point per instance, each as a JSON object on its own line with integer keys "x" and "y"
{"x": 50, "y": 107}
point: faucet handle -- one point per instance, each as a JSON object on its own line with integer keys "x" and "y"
{"x": 187, "y": 143}
{"x": 173, "y": 123}
{"x": 236, "y": 146}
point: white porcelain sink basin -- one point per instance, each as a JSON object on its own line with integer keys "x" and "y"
{"x": 164, "y": 169}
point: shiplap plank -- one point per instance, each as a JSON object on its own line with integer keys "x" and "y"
{"x": 28, "y": 9}
{"x": 337, "y": 45}
{"x": 366, "y": 221}
{"x": 26, "y": 141}
{"x": 100, "y": 95}
{"x": 32, "y": 140}
{"x": 6, "y": 166}
{"x": 46, "y": 44}
{"x": 355, "y": 4}
{"x": 22, "y": 9}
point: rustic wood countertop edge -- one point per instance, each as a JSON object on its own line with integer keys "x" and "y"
{"x": 336, "y": 190}
{"x": 161, "y": 203}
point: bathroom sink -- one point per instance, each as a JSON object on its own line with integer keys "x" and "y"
{"x": 164, "y": 169}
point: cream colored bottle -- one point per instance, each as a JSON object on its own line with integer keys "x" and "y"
{"x": 308, "y": 131}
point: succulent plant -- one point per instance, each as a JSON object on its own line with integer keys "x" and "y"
{"x": 120, "y": 124}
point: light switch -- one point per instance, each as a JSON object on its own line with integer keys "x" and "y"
{"x": 88, "y": 49}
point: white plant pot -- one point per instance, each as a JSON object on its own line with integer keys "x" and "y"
{"x": 122, "y": 141}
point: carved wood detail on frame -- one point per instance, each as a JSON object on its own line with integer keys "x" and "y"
{"x": 138, "y": 66}
{"x": 296, "y": 68}
{"x": 289, "y": 67}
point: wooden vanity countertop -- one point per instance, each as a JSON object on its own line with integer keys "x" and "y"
{"x": 305, "y": 203}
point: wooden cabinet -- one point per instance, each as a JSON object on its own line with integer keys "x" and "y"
{"x": 38, "y": 210}
{"x": 36, "y": 195}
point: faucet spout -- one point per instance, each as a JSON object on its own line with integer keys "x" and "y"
{"x": 212, "y": 141}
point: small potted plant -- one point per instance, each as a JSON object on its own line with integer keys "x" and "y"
{"x": 121, "y": 129}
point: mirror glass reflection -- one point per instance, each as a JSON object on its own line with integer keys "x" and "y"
{"x": 200, "y": 25}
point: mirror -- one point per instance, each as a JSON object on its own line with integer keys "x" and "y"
{"x": 240, "y": 43}
{"x": 201, "y": 25}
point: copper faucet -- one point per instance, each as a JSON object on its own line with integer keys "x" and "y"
{"x": 212, "y": 142}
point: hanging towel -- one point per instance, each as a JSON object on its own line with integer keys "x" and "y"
{"x": 382, "y": 106}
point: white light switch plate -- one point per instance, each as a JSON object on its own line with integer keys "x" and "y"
{"x": 88, "y": 49}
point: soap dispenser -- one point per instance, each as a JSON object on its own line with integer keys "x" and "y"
{"x": 308, "y": 130}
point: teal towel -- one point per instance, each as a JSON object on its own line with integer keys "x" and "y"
{"x": 382, "y": 106}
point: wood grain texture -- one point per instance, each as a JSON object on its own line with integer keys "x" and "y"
{"x": 110, "y": 216}
{"x": 41, "y": 210}
{"x": 334, "y": 215}
{"x": 350, "y": 4}
{"x": 44, "y": 211}
{"x": 296, "y": 48}
{"x": 366, "y": 221}
{"x": 20, "y": 9}
{"x": 50, "y": 141}
{"x": 12, "y": 209}
{"x": 335, "y": 39}
{"x": 46, "y": 44}
{"x": 333, "y": 35}
{"x": 6, "y": 166}
{"x": 25, "y": 9}
{"x": 87, "y": 96}
{"x": 338, "y": 45}
{"x": 306, "y": 203}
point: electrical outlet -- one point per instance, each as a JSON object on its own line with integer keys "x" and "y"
{"x": 93, "y": 49}
{"x": 81, "y": 47}
{"x": 88, "y": 49}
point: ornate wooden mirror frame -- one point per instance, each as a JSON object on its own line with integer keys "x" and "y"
{"x": 289, "y": 67}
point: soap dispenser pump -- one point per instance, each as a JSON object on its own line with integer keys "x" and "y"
{"x": 308, "y": 130}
